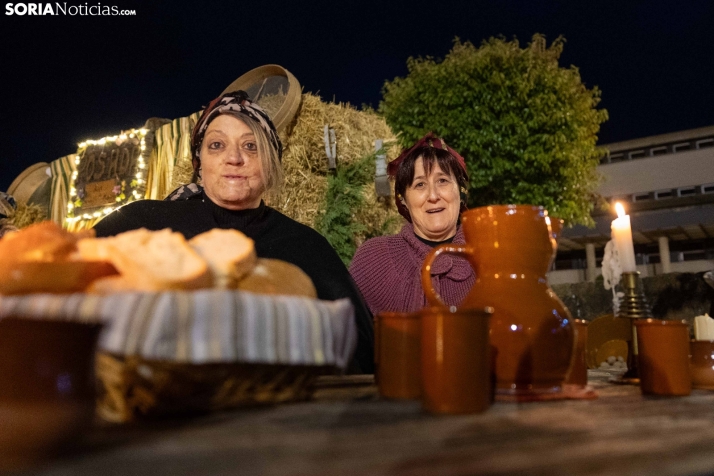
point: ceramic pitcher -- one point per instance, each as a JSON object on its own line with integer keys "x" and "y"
{"x": 510, "y": 248}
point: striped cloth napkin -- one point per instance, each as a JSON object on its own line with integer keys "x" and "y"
{"x": 206, "y": 326}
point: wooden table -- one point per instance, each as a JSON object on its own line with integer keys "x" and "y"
{"x": 348, "y": 430}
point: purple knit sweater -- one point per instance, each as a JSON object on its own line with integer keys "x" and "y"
{"x": 387, "y": 270}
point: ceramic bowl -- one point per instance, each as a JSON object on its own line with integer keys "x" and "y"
{"x": 47, "y": 387}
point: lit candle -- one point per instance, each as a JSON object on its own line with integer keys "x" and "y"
{"x": 622, "y": 236}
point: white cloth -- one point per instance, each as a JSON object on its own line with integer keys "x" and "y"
{"x": 207, "y": 326}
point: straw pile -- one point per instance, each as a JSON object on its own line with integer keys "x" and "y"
{"x": 26, "y": 215}
{"x": 305, "y": 162}
{"x": 271, "y": 102}
{"x": 183, "y": 172}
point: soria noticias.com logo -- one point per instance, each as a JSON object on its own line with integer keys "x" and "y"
{"x": 64, "y": 9}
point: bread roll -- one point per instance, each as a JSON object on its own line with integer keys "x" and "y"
{"x": 151, "y": 260}
{"x": 91, "y": 249}
{"x": 40, "y": 259}
{"x": 229, "y": 253}
{"x": 110, "y": 284}
{"x": 45, "y": 241}
{"x": 273, "y": 276}
{"x": 51, "y": 277}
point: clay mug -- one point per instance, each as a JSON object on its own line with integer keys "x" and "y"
{"x": 578, "y": 373}
{"x": 663, "y": 357}
{"x": 456, "y": 360}
{"x": 397, "y": 354}
{"x": 510, "y": 248}
{"x": 702, "y": 363}
{"x": 47, "y": 387}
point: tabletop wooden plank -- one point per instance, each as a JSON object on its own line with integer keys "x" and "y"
{"x": 348, "y": 430}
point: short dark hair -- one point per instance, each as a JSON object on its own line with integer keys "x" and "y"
{"x": 430, "y": 155}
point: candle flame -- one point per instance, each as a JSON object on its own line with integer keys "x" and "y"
{"x": 620, "y": 210}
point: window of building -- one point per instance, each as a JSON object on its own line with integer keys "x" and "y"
{"x": 681, "y": 147}
{"x": 641, "y": 197}
{"x": 663, "y": 194}
{"x": 708, "y": 188}
{"x": 662, "y": 150}
{"x": 693, "y": 255}
{"x": 704, "y": 143}
{"x": 619, "y": 157}
{"x": 636, "y": 154}
{"x": 686, "y": 191}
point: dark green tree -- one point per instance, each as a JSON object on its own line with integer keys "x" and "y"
{"x": 526, "y": 126}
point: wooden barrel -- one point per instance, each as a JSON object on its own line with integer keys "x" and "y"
{"x": 275, "y": 89}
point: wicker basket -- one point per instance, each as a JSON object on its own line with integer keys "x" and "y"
{"x": 131, "y": 388}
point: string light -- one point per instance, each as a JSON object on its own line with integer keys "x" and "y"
{"x": 74, "y": 203}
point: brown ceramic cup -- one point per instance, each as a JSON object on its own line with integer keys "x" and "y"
{"x": 397, "y": 354}
{"x": 47, "y": 387}
{"x": 702, "y": 363}
{"x": 578, "y": 373}
{"x": 663, "y": 358}
{"x": 456, "y": 360}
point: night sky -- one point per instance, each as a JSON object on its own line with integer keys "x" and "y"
{"x": 65, "y": 79}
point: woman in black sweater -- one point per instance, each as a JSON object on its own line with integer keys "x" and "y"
{"x": 236, "y": 152}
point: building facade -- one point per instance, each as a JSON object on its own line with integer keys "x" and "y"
{"x": 666, "y": 184}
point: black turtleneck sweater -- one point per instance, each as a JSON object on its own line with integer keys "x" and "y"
{"x": 275, "y": 235}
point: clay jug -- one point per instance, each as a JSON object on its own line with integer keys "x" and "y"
{"x": 510, "y": 248}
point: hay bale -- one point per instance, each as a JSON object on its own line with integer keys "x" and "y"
{"x": 305, "y": 162}
{"x": 26, "y": 215}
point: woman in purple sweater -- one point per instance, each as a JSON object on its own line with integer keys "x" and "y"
{"x": 430, "y": 183}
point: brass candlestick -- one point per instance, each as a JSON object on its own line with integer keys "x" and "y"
{"x": 633, "y": 305}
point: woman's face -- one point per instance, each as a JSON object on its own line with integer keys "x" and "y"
{"x": 433, "y": 202}
{"x": 230, "y": 164}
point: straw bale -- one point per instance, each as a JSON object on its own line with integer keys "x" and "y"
{"x": 26, "y": 215}
{"x": 183, "y": 172}
{"x": 305, "y": 160}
